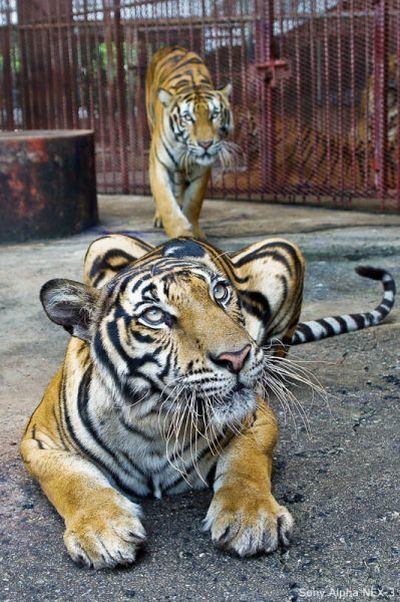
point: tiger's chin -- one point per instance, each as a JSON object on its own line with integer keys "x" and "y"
{"x": 205, "y": 161}
{"x": 232, "y": 412}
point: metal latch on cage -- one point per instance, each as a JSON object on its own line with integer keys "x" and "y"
{"x": 275, "y": 70}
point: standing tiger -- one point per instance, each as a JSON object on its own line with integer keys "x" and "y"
{"x": 163, "y": 389}
{"x": 189, "y": 121}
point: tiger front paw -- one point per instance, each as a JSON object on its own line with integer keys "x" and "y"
{"x": 247, "y": 522}
{"x": 199, "y": 233}
{"x": 105, "y": 536}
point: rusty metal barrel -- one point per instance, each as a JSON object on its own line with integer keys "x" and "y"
{"x": 47, "y": 184}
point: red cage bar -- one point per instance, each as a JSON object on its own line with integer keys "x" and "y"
{"x": 315, "y": 87}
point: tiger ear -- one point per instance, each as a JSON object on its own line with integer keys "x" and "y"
{"x": 227, "y": 90}
{"x": 164, "y": 97}
{"x": 268, "y": 276}
{"x": 70, "y": 304}
{"x": 109, "y": 255}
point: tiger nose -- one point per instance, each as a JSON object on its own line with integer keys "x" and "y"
{"x": 206, "y": 143}
{"x": 231, "y": 360}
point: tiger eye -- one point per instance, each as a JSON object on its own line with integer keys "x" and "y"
{"x": 221, "y": 292}
{"x": 153, "y": 315}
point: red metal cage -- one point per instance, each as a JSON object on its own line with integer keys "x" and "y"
{"x": 315, "y": 87}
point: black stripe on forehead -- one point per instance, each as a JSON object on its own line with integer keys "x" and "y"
{"x": 174, "y": 256}
{"x": 175, "y": 270}
{"x": 150, "y": 291}
{"x": 186, "y": 273}
{"x": 178, "y": 276}
{"x": 142, "y": 276}
{"x": 183, "y": 248}
{"x": 194, "y": 94}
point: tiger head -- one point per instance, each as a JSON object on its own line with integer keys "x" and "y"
{"x": 171, "y": 330}
{"x": 200, "y": 120}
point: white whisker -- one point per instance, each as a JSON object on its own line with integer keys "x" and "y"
{"x": 279, "y": 373}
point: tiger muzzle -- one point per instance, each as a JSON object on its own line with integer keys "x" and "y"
{"x": 233, "y": 361}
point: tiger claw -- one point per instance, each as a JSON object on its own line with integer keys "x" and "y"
{"x": 248, "y": 527}
{"x": 157, "y": 222}
{"x": 199, "y": 233}
{"x": 106, "y": 537}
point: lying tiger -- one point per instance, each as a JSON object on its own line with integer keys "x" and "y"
{"x": 163, "y": 389}
{"x": 189, "y": 121}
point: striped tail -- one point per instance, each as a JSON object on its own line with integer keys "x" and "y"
{"x": 315, "y": 330}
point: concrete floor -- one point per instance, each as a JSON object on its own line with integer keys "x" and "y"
{"x": 340, "y": 481}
